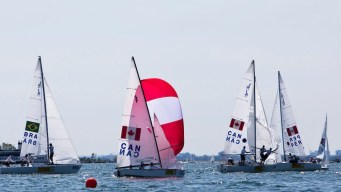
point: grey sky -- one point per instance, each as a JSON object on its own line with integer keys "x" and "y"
{"x": 203, "y": 48}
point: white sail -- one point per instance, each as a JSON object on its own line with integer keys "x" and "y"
{"x": 292, "y": 140}
{"x": 325, "y": 161}
{"x": 324, "y": 147}
{"x": 264, "y": 134}
{"x": 35, "y": 140}
{"x": 64, "y": 151}
{"x": 168, "y": 159}
{"x": 241, "y": 121}
{"x": 137, "y": 142}
{"x": 275, "y": 127}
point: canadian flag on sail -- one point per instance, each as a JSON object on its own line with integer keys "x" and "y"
{"x": 236, "y": 124}
{"x": 292, "y": 130}
{"x": 131, "y": 133}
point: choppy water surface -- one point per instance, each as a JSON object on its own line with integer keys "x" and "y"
{"x": 198, "y": 177}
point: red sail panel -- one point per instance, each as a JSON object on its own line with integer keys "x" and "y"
{"x": 156, "y": 90}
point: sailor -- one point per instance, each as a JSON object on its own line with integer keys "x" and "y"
{"x": 51, "y": 149}
{"x": 142, "y": 165}
{"x": 262, "y": 155}
{"x": 23, "y": 160}
{"x": 268, "y": 153}
{"x": 242, "y": 156}
{"x": 230, "y": 161}
{"x": 291, "y": 158}
{"x": 29, "y": 160}
{"x": 152, "y": 166}
{"x": 9, "y": 161}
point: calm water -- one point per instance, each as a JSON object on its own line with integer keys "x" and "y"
{"x": 199, "y": 177}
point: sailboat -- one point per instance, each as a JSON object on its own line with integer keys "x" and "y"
{"x": 324, "y": 148}
{"x": 249, "y": 128}
{"x": 148, "y": 148}
{"x": 44, "y": 125}
{"x": 212, "y": 159}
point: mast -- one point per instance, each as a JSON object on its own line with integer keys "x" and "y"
{"x": 254, "y": 106}
{"x": 327, "y": 146}
{"x": 138, "y": 75}
{"x": 280, "y": 110}
{"x": 46, "y": 124}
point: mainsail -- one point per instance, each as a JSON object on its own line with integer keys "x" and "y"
{"x": 35, "y": 136}
{"x": 241, "y": 121}
{"x": 292, "y": 140}
{"x": 324, "y": 147}
{"x": 137, "y": 143}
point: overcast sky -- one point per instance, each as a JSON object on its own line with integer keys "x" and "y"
{"x": 202, "y": 48}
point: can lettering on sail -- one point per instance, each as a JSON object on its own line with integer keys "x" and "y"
{"x": 130, "y": 150}
{"x": 234, "y": 137}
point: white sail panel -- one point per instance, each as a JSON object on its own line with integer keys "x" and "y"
{"x": 292, "y": 139}
{"x": 34, "y": 141}
{"x": 322, "y": 145}
{"x": 239, "y": 124}
{"x": 264, "y": 134}
{"x": 275, "y": 125}
{"x": 137, "y": 142}
{"x": 64, "y": 151}
{"x": 168, "y": 159}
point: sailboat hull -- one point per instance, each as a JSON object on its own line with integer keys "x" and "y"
{"x": 150, "y": 173}
{"x": 269, "y": 168}
{"x": 42, "y": 169}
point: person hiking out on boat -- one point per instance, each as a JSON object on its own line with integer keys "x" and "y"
{"x": 23, "y": 161}
{"x": 262, "y": 154}
{"x": 268, "y": 153}
{"x": 290, "y": 158}
{"x": 242, "y": 156}
{"x": 142, "y": 165}
{"x": 9, "y": 161}
{"x": 152, "y": 166}
{"x": 51, "y": 149}
{"x": 29, "y": 160}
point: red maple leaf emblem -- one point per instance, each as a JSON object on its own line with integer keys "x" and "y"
{"x": 236, "y": 124}
{"x": 131, "y": 132}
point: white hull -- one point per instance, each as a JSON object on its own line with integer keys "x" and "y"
{"x": 42, "y": 169}
{"x": 149, "y": 173}
{"x": 269, "y": 168}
